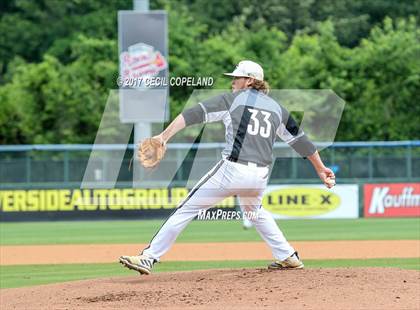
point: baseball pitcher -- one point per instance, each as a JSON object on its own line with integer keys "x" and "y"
{"x": 252, "y": 122}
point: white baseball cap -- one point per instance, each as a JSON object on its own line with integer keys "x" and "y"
{"x": 248, "y": 68}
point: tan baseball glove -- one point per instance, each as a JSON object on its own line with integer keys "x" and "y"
{"x": 150, "y": 152}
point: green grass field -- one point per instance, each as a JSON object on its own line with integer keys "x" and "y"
{"x": 100, "y": 232}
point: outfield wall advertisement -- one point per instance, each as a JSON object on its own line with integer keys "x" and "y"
{"x": 312, "y": 201}
{"x": 79, "y": 204}
{"x": 292, "y": 201}
{"x": 392, "y": 200}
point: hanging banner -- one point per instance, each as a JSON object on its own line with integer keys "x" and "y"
{"x": 143, "y": 50}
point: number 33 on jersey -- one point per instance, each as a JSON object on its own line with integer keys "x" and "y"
{"x": 255, "y": 128}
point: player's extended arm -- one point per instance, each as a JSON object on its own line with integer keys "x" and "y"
{"x": 324, "y": 173}
{"x": 204, "y": 112}
{"x": 290, "y": 132}
{"x": 195, "y": 115}
{"x": 174, "y": 127}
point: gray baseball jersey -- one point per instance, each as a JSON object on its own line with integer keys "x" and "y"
{"x": 252, "y": 121}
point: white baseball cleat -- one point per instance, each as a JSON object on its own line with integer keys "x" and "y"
{"x": 141, "y": 263}
{"x": 292, "y": 262}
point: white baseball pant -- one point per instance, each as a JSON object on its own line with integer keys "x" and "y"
{"x": 223, "y": 180}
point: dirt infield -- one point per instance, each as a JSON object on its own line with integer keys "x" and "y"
{"x": 70, "y": 254}
{"x": 344, "y": 288}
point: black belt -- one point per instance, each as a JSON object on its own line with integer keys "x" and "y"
{"x": 244, "y": 162}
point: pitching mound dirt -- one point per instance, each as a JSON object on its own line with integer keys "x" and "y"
{"x": 345, "y": 288}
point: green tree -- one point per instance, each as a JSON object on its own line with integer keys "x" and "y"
{"x": 29, "y": 28}
{"x": 386, "y": 79}
{"x": 58, "y": 59}
{"x": 56, "y": 103}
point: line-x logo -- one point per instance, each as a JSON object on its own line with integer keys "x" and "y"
{"x": 383, "y": 200}
{"x": 300, "y": 201}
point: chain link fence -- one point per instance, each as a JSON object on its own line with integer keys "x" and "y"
{"x": 60, "y": 166}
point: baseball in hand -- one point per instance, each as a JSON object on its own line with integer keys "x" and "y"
{"x": 330, "y": 182}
